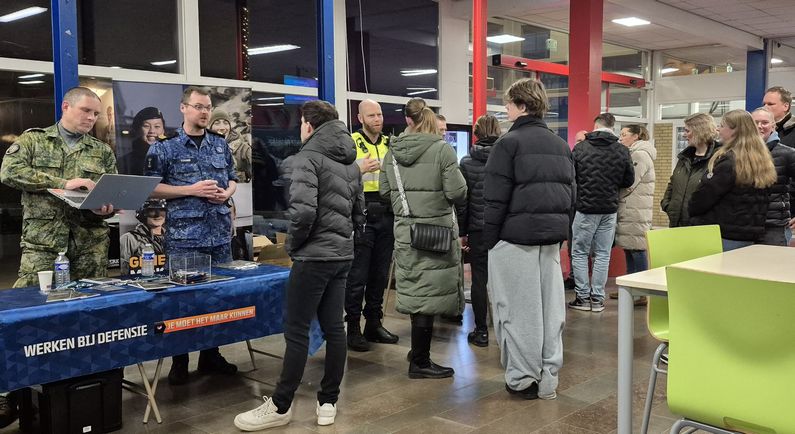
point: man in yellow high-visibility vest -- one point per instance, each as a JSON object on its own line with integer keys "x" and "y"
{"x": 373, "y": 247}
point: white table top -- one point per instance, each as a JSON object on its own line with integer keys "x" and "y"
{"x": 772, "y": 263}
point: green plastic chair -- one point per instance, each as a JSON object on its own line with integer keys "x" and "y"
{"x": 732, "y": 360}
{"x": 666, "y": 247}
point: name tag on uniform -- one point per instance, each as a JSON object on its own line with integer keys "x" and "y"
{"x": 186, "y": 160}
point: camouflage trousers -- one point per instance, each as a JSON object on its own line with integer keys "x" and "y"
{"x": 88, "y": 259}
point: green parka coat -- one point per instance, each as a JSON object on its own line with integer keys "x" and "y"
{"x": 427, "y": 283}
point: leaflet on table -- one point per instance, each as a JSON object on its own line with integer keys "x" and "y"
{"x": 69, "y": 294}
{"x": 239, "y": 264}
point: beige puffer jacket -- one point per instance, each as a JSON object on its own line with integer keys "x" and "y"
{"x": 636, "y": 202}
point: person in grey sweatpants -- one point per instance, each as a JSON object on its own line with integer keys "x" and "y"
{"x": 528, "y": 191}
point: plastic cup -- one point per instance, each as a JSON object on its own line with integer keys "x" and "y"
{"x": 45, "y": 281}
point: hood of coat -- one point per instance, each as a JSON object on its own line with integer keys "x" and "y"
{"x": 644, "y": 146}
{"x": 408, "y": 147}
{"x": 481, "y": 149}
{"x": 601, "y": 138}
{"x": 333, "y": 140}
{"x": 787, "y": 123}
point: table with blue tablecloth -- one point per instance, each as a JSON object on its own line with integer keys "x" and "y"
{"x": 44, "y": 342}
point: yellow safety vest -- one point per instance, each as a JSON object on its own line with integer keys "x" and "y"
{"x": 377, "y": 151}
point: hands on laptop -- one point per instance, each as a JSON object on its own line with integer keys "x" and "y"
{"x": 82, "y": 184}
{"x": 105, "y": 210}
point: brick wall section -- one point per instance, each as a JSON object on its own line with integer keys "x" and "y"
{"x": 663, "y": 166}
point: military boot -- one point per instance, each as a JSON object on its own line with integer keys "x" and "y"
{"x": 356, "y": 341}
{"x": 374, "y": 331}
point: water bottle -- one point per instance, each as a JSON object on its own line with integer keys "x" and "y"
{"x": 147, "y": 261}
{"x": 61, "y": 270}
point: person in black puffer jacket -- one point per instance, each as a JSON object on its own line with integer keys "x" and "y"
{"x": 529, "y": 192}
{"x": 733, "y": 193}
{"x": 326, "y": 203}
{"x": 778, "y": 209}
{"x": 603, "y": 166}
{"x": 470, "y": 223}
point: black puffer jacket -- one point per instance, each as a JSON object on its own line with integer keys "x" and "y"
{"x": 529, "y": 186}
{"x": 603, "y": 166}
{"x": 740, "y": 211}
{"x": 684, "y": 180}
{"x": 326, "y": 198}
{"x": 473, "y": 167}
{"x": 786, "y": 130}
{"x": 778, "y": 209}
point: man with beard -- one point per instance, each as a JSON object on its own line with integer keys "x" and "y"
{"x": 198, "y": 179}
{"x": 152, "y": 218}
{"x": 373, "y": 246}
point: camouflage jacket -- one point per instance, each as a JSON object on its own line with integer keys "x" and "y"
{"x": 193, "y": 221}
{"x": 39, "y": 159}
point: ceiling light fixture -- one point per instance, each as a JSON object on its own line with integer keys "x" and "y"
{"x": 270, "y": 98}
{"x": 504, "y": 39}
{"x": 416, "y": 72}
{"x": 774, "y": 61}
{"x": 668, "y": 70}
{"x": 23, "y": 13}
{"x": 272, "y": 49}
{"x": 631, "y": 21}
{"x": 271, "y": 104}
{"x": 163, "y": 62}
{"x": 23, "y": 77}
{"x": 420, "y": 90}
{"x": 32, "y": 82}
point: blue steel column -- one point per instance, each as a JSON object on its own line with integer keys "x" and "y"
{"x": 64, "y": 49}
{"x": 756, "y": 77}
{"x": 325, "y": 50}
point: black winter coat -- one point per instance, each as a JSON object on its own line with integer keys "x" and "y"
{"x": 778, "y": 209}
{"x": 786, "y": 130}
{"x": 473, "y": 167}
{"x": 685, "y": 178}
{"x": 740, "y": 211}
{"x": 326, "y": 199}
{"x": 529, "y": 186}
{"x": 603, "y": 166}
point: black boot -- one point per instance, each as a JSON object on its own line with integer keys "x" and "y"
{"x": 479, "y": 337}
{"x": 374, "y": 331}
{"x": 212, "y": 362}
{"x": 9, "y": 409}
{"x": 178, "y": 375}
{"x": 421, "y": 365}
{"x": 356, "y": 341}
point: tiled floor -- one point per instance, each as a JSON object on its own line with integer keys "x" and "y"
{"x": 378, "y": 397}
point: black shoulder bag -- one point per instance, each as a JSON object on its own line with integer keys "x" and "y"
{"x": 431, "y": 238}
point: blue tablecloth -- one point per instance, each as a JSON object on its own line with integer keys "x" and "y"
{"x": 44, "y": 342}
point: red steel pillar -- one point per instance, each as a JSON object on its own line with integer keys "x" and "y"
{"x": 479, "y": 61}
{"x": 585, "y": 64}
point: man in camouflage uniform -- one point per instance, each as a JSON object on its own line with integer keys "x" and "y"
{"x": 60, "y": 156}
{"x": 198, "y": 179}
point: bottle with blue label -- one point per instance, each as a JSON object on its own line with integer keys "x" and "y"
{"x": 61, "y": 270}
{"x": 147, "y": 261}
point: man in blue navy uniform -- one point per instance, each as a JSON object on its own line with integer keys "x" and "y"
{"x": 198, "y": 179}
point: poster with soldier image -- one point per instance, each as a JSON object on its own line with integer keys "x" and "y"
{"x": 231, "y": 117}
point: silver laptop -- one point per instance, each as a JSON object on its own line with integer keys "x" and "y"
{"x": 122, "y": 191}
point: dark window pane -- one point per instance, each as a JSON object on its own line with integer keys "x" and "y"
{"x": 276, "y": 135}
{"x": 136, "y": 34}
{"x": 22, "y": 106}
{"x": 282, "y": 40}
{"x": 392, "y": 47}
{"x": 26, "y": 38}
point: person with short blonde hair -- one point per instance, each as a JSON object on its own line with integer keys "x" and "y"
{"x": 733, "y": 193}
{"x": 700, "y": 132}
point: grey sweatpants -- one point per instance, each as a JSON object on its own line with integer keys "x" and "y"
{"x": 529, "y": 312}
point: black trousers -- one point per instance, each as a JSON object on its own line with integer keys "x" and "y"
{"x": 314, "y": 288}
{"x": 370, "y": 269}
{"x": 479, "y": 264}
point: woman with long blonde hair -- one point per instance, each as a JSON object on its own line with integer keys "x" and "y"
{"x": 734, "y": 190}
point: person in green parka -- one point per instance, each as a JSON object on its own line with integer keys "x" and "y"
{"x": 427, "y": 283}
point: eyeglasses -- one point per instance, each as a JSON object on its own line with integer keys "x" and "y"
{"x": 201, "y": 108}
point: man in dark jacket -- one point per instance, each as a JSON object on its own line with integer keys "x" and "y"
{"x": 528, "y": 192}
{"x": 326, "y": 202}
{"x": 603, "y": 166}
{"x": 778, "y": 210}
{"x": 778, "y": 100}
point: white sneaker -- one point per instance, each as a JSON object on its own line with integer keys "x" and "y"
{"x": 326, "y": 414}
{"x": 262, "y": 417}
